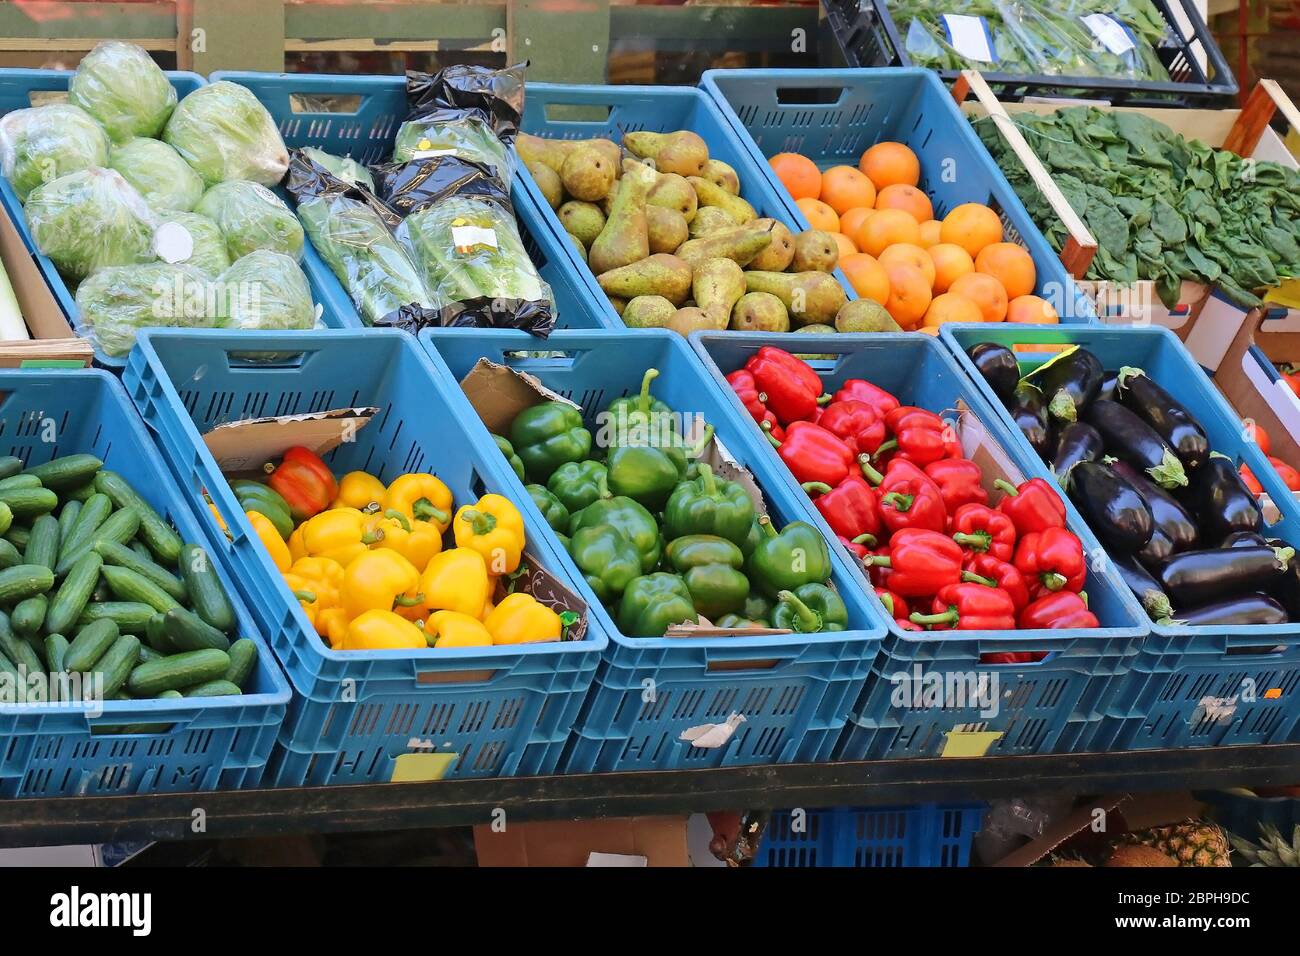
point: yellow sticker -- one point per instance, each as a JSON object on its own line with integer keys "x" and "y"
{"x": 1273, "y": 693}
{"x": 969, "y": 743}
{"x": 415, "y": 768}
{"x": 423, "y": 144}
{"x": 1287, "y": 294}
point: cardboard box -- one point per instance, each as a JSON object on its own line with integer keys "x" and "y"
{"x": 632, "y": 841}
{"x": 53, "y": 341}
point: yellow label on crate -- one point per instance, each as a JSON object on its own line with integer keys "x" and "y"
{"x": 417, "y": 768}
{"x": 1287, "y": 294}
{"x": 969, "y": 743}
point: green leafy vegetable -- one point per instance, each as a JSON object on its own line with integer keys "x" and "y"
{"x": 121, "y": 86}
{"x": 266, "y": 290}
{"x": 207, "y": 245}
{"x": 158, "y": 174}
{"x": 251, "y": 217}
{"x": 118, "y": 301}
{"x": 341, "y": 167}
{"x": 41, "y": 144}
{"x": 225, "y": 133}
{"x": 90, "y": 219}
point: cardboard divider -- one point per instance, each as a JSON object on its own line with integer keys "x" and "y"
{"x": 53, "y": 343}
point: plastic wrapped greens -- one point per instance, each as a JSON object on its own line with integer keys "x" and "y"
{"x": 158, "y": 174}
{"x": 350, "y": 229}
{"x": 340, "y": 167}
{"x": 45, "y": 142}
{"x": 266, "y": 290}
{"x": 121, "y": 86}
{"x": 470, "y": 112}
{"x": 251, "y": 217}
{"x": 187, "y": 238}
{"x": 90, "y": 219}
{"x": 119, "y": 301}
{"x": 225, "y": 133}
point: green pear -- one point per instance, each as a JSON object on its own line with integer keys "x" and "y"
{"x": 659, "y": 274}
{"x": 681, "y": 152}
{"x": 717, "y": 284}
{"x": 648, "y": 312}
{"x": 711, "y": 194}
{"x": 665, "y": 228}
{"x": 548, "y": 183}
{"x": 815, "y": 251}
{"x": 759, "y": 312}
{"x": 691, "y": 319}
{"x": 711, "y": 219}
{"x": 811, "y": 298}
{"x": 619, "y": 305}
{"x": 582, "y": 219}
{"x": 587, "y": 174}
{"x": 720, "y": 174}
{"x": 864, "y": 315}
{"x": 779, "y": 252}
{"x": 548, "y": 152}
{"x": 625, "y": 238}
{"x": 739, "y": 244}
{"x": 816, "y": 356}
{"x": 607, "y": 148}
{"x": 674, "y": 192}
{"x": 577, "y": 244}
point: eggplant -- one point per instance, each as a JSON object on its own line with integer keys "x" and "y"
{"x": 1076, "y": 442}
{"x": 1287, "y": 587}
{"x": 998, "y": 365}
{"x": 1252, "y": 608}
{"x": 1175, "y": 522}
{"x": 1111, "y": 505}
{"x": 1195, "y": 577}
{"x": 1221, "y": 501}
{"x": 1146, "y": 588}
{"x": 1030, "y": 415}
{"x": 1131, "y": 439}
{"x": 1156, "y": 551}
{"x": 1248, "y": 539}
{"x": 1139, "y": 393}
{"x": 1069, "y": 382}
{"x": 1109, "y": 382}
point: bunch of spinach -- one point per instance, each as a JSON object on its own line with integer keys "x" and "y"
{"x": 1161, "y": 207}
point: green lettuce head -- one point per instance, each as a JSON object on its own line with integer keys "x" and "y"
{"x": 117, "y": 302}
{"x": 225, "y": 133}
{"x": 91, "y": 219}
{"x": 266, "y": 290}
{"x": 121, "y": 86}
{"x": 158, "y": 174}
{"x": 251, "y": 217}
{"x": 200, "y": 245}
{"x": 43, "y": 143}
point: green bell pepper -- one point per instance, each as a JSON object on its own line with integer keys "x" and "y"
{"x": 637, "y": 525}
{"x": 643, "y": 473}
{"x": 545, "y": 436}
{"x": 607, "y": 559}
{"x": 738, "y": 622}
{"x": 265, "y": 500}
{"x": 695, "y": 550}
{"x": 551, "y": 507}
{"x": 789, "y": 560}
{"x": 709, "y": 505}
{"x": 579, "y": 483}
{"x": 507, "y": 449}
{"x": 639, "y": 419}
{"x": 652, "y": 602}
{"x": 711, "y": 568}
{"x": 753, "y": 538}
{"x": 758, "y": 607}
{"x": 809, "y": 609}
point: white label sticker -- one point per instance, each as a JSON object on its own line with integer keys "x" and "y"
{"x": 1112, "y": 34}
{"x": 466, "y": 237}
{"x": 430, "y": 153}
{"x": 173, "y": 243}
{"x": 970, "y": 37}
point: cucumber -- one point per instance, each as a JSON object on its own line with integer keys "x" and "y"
{"x": 29, "y": 615}
{"x": 142, "y": 549}
{"x": 93, "y": 514}
{"x": 169, "y": 695}
{"x": 178, "y": 671}
{"x": 68, "y": 471}
{"x": 19, "y": 481}
{"x": 128, "y": 615}
{"x": 10, "y": 466}
{"x": 147, "y": 653}
{"x": 155, "y": 634}
{"x": 18, "y": 650}
{"x": 9, "y": 688}
{"x": 6, "y": 518}
{"x": 43, "y": 545}
{"x": 157, "y": 533}
{"x": 118, "y": 662}
{"x": 189, "y": 632}
{"x": 73, "y": 594}
{"x": 37, "y": 644}
{"x": 68, "y": 516}
{"x": 213, "y": 688}
{"x": 23, "y": 581}
{"x": 82, "y": 494}
{"x": 120, "y": 526}
{"x": 90, "y": 644}
{"x": 9, "y": 555}
{"x": 56, "y": 652}
{"x": 243, "y": 657}
{"x": 121, "y": 556}
{"x": 208, "y": 598}
{"x": 127, "y": 585}
{"x": 29, "y": 502}
{"x": 18, "y": 534}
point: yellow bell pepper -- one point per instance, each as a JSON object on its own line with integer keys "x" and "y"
{"x": 360, "y": 490}
{"x": 521, "y": 619}
{"x": 297, "y": 550}
{"x": 421, "y": 497}
{"x": 415, "y": 540}
{"x": 221, "y": 522}
{"x": 376, "y": 580}
{"x": 453, "y": 629}
{"x": 493, "y": 527}
{"x": 320, "y": 578}
{"x": 340, "y": 534}
{"x": 333, "y": 622}
{"x": 455, "y": 580}
{"x": 271, "y": 540}
{"x": 487, "y": 609}
{"x": 378, "y": 630}
{"x": 301, "y": 589}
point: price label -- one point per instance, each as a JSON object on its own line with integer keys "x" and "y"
{"x": 173, "y": 243}
{"x": 465, "y": 238}
{"x": 1112, "y": 34}
{"x": 970, "y": 37}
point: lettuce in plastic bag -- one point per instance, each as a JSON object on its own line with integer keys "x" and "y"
{"x": 251, "y": 217}
{"x": 158, "y": 174}
{"x": 225, "y": 133}
{"x": 121, "y": 86}
{"x": 344, "y": 168}
{"x": 116, "y": 302}
{"x": 91, "y": 219}
{"x": 267, "y": 290}
{"x": 45, "y": 142}
{"x": 464, "y": 137}
{"x": 200, "y": 246}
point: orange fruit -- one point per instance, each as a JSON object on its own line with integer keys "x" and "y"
{"x": 819, "y": 215}
{"x": 847, "y": 248}
{"x": 1033, "y": 310}
{"x": 951, "y": 307}
{"x": 888, "y": 163}
{"x": 971, "y": 226}
{"x": 907, "y": 198}
{"x": 909, "y": 294}
{"x": 844, "y": 188}
{"x": 950, "y": 261}
{"x": 852, "y": 219}
{"x": 885, "y": 228}
{"x": 930, "y": 233}
{"x": 912, "y": 255}
{"x": 1009, "y": 264}
{"x": 929, "y": 329}
{"x": 798, "y": 174}
{"x": 985, "y": 291}
{"x": 867, "y": 276}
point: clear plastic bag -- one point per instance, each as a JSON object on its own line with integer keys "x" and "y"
{"x": 42, "y": 143}
{"x": 158, "y": 174}
{"x": 251, "y": 217}
{"x": 465, "y": 137}
{"x": 121, "y": 86}
{"x": 90, "y": 219}
{"x": 118, "y": 301}
{"x": 225, "y": 133}
{"x": 343, "y": 168}
{"x": 266, "y": 290}
{"x": 202, "y": 246}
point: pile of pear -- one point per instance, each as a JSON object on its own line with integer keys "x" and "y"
{"x": 674, "y": 245}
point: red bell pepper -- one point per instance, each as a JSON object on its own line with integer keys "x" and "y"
{"x": 1005, "y": 574}
{"x": 859, "y": 547}
{"x": 908, "y": 625}
{"x": 959, "y": 482}
{"x": 793, "y": 389}
{"x": 1058, "y": 609}
{"x": 1051, "y": 560}
{"x": 1013, "y": 657}
{"x": 979, "y": 528}
{"x": 921, "y": 562}
{"x": 813, "y": 454}
{"x": 860, "y": 390}
{"x": 1249, "y": 480}
{"x": 304, "y": 481}
{"x": 851, "y": 508}
{"x": 856, "y": 423}
{"x": 755, "y": 401}
{"x": 1033, "y": 506}
{"x": 1260, "y": 435}
{"x": 878, "y": 573}
{"x": 969, "y": 607}
{"x": 1290, "y": 477}
{"x": 909, "y": 499}
{"x": 921, "y": 436}
{"x": 894, "y": 604}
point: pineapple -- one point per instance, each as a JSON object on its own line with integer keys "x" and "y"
{"x": 1273, "y": 849}
{"x": 1191, "y": 843}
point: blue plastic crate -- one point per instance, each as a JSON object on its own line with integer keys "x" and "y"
{"x": 504, "y": 710}
{"x": 833, "y": 116}
{"x": 562, "y": 111}
{"x": 16, "y": 92}
{"x": 358, "y": 116}
{"x": 923, "y": 835}
{"x": 1037, "y": 704}
{"x": 1190, "y": 686}
{"x": 795, "y": 690}
{"x": 54, "y": 750}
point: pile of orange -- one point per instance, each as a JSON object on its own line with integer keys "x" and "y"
{"x": 924, "y": 271}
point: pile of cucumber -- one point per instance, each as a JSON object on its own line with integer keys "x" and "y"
{"x": 93, "y": 581}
